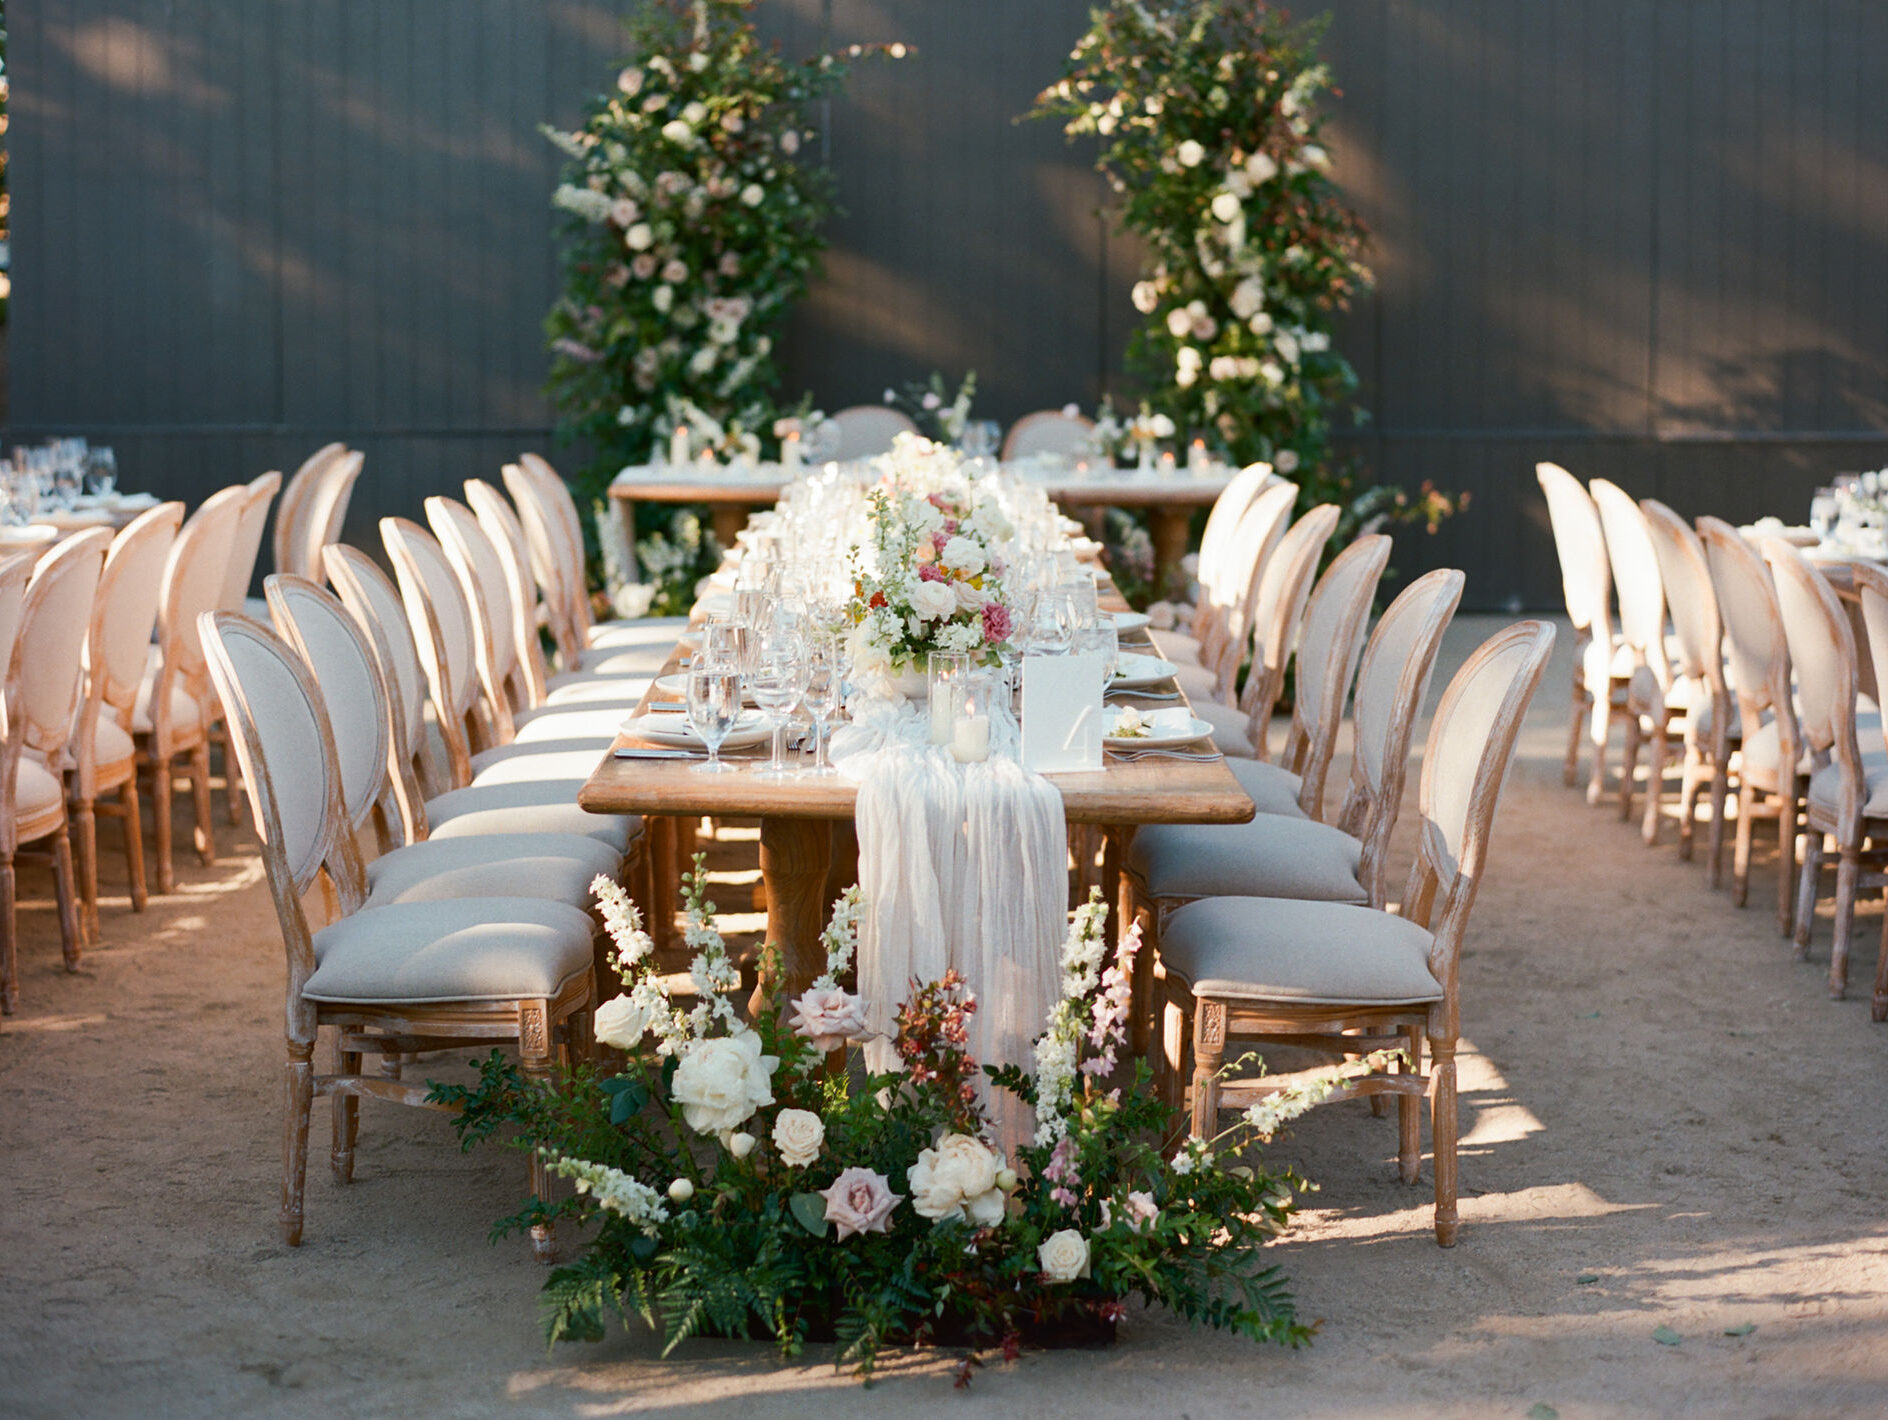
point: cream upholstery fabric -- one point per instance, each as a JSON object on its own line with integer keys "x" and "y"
{"x": 530, "y": 764}
{"x": 474, "y": 949}
{"x": 184, "y": 710}
{"x": 37, "y": 796}
{"x": 1273, "y": 790}
{"x": 617, "y": 661}
{"x": 111, "y": 744}
{"x": 556, "y": 867}
{"x": 1230, "y": 724}
{"x": 549, "y": 807}
{"x": 659, "y": 631}
{"x": 575, "y": 745}
{"x": 582, "y": 692}
{"x": 1198, "y": 681}
{"x": 1267, "y": 949}
{"x": 1272, "y": 856}
{"x": 1825, "y": 785}
{"x": 1178, "y": 647}
{"x": 576, "y": 722}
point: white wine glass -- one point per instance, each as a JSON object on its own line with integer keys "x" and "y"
{"x": 714, "y": 704}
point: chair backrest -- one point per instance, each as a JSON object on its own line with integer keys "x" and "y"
{"x": 290, "y": 511}
{"x": 1871, "y": 588}
{"x": 481, "y": 576}
{"x": 1278, "y": 607}
{"x": 126, "y": 609}
{"x": 1822, "y": 651}
{"x": 278, "y": 722}
{"x": 246, "y": 544}
{"x": 15, "y": 572}
{"x": 45, "y": 676}
{"x": 1635, "y": 564}
{"x": 1755, "y": 646}
{"x": 195, "y": 577}
{"x": 1228, "y": 508}
{"x": 326, "y": 510}
{"x": 556, "y": 558}
{"x": 868, "y": 429}
{"x": 1585, "y": 574}
{"x": 1048, "y": 431}
{"x": 340, "y": 659}
{"x": 500, "y": 522}
{"x": 1693, "y": 601}
{"x": 376, "y": 606}
{"x": 1249, "y": 550}
{"x": 1471, "y": 744}
{"x": 1333, "y": 634}
{"x": 1392, "y": 683}
{"x": 436, "y": 610}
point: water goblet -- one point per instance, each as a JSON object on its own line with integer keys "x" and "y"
{"x": 777, "y": 682}
{"x": 101, "y": 472}
{"x": 714, "y": 704}
{"x": 825, "y": 689}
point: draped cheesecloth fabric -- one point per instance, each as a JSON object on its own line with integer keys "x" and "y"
{"x": 960, "y": 865}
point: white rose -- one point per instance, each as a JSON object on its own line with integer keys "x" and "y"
{"x": 1145, "y": 297}
{"x": 930, "y": 600}
{"x": 1179, "y": 323}
{"x": 1225, "y": 206}
{"x": 789, "y": 142}
{"x": 623, "y": 212}
{"x": 798, "y": 1133}
{"x": 1163, "y": 426}
{"x": 753, "y": 195}
{"x": 1063, "y": 1256}
{"x": 1248, "y": 298}
{"x": 703, "y": 360}
{"x": 1314, "y": 341}
{"x": 1287, "y": 347}
{"x": 681, "y": 1191}
{"x": 1315, "y": 157}
{"x": 630, "y": 82}
{"x": 1260, "y": 324}
{"x": 621, "y": 1023}
{"x": 954, "y": 1176}
{"x": 1285, "y": 460}
{"x": 741, "y": 1145}
{"x": 1190, "y": 154}
{"x": 662, "y": 298}
{"x": 720, "y": 1082}
{"x": 960, "y": 554}
{"x": 678, "y": 133}
{"x": 638, "y": 237}
{"x": 693, "y": 112}
{"x": 698, "y": 61}
{"x": 1261, "y": 167}
{"x": 1204, "y": 326}
{"x": 968, "y": 597}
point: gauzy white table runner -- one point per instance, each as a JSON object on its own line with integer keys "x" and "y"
{"x": 960, "y": 865}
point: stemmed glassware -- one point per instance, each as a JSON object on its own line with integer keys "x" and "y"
{"x": 714, "y": 704}
{"x": 825, "y": 689}
{"x": 778, "y": 681}
{"x": 101, "y": 472}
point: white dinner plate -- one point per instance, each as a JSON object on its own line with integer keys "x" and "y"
{"x": 666, "y": 727}
{"x": 1164, "y": 737}
{"x": 1128, "y": 620}
{"x": 1134, "y": 669}
{"x": 675, "y": 687}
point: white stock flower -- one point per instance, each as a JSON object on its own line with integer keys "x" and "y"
{"x": 798, "y": 1133}
{"x": 1225, "y": 206}
{"x": 753, "y": 195}
{"x": 662, "y": 298}
{"x": 693, "y": 112}
{"x": 957, "y": 1179}
{"x": 1179, "y": 323}
{"x": 1063, "y": 1256}
{"x": 1190, "y": 154}
{"x": 721, "y": 1081}
{"x": 678, "y": 133}
{"x": 1146, "y": 296}
{"x": 1287, "y": 346}
{"x": 698, "y": 61}
{"x": 622, "y": 1022}
{"x": 638, "y": 237}
{"x": 1248, "y": 298}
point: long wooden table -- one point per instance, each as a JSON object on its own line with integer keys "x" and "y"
{"x": 1171, "y": 499}
{"x": 797, "y": 816}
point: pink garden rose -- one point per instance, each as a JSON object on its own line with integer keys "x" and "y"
{"x": 860, "y": 1201}
{"x": 829, "y": 1018}
{"x": 996, "y": 622}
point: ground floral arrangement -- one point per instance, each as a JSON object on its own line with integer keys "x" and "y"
{"x": 743, "y": 1181}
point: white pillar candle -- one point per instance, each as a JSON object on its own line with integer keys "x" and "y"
{"x": 678, "y": 446}
{"x": 790, "y": 453}
{"x": 970, "y": 738}
{"x": 940, "y": 716}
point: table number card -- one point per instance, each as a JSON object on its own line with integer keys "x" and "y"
{"x": 1062, "y": 713}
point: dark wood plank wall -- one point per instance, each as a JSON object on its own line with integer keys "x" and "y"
{"x": 1643, "y": 240}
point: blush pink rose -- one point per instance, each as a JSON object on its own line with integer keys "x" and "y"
{"x": 829, "y": 1018}
{"x": 860, "y": 1201}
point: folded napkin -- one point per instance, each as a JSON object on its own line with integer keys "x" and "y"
{"x": 1174, "y": 720}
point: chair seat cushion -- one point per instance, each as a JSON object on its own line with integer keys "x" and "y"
{"x": 587, "y": 695}
{"x": 1825, "y": 785}
{"x": 472, "y": 949}
{"x": 622, "y": 661}
{"x": 38, "y": 800}
{"x": 1273, "y": 790}
{"x": 592, "y": 745}
{"x": 1230, "y": 725}
{"x": 186, "y": 716}
{"x": 557, "y": 867}
{"x": 1272, "y": 856}
{"x": 523, "y": 764}
{"x": 1197, "y": 681}
{"x": 546, "y": 807}
{"x": 649, "y": 631}
{"x": 573, "y": 722}
{"x": 1311, "y": 953}
{"x": 1178, "y": 646}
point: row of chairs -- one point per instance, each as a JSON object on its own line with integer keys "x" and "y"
{"x": 1743, "y": 657}
{"x": 1280, "y": 930}
{"x": 105, "y": 682}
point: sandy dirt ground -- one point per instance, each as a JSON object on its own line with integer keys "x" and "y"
{"x": 1667, "y": 1124}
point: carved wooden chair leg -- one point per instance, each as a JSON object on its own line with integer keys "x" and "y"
{"x": 1409, "y": 1112}
{"x": 9, "y": 950}
{"x": 1878, "y": 1007}
{"x": 1806, "y": 890}
{"x": 534, "y": 1057}
{"x": 300, "y": 1083}
{"x": 1720, "y": 795}
{"x": 1600, "y": 732}
{"x": 1656, "y": 745}
{"x": 1209, "y": 1053}
{"x": 85, "y": 830}
{"x": 161, "y": 824}
{"x": 1570, "y": 772}
{"x": 1629, "y": 765}
{"x": 347, "y": 1112}
{"x": 133, "y": 820}
{"x": 1740, "y": 848}
{"x": 65, "y": 886}
{"x": 1848, "y": 870}
{"x": 232, "y": 779}
{"x": 200, "y": 791}
{"x": 1442, "y": 1133}
{"x": 1690, "y": 782}
{"x": 1786, "y": 864}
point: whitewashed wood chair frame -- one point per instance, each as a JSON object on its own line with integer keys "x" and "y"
{"x": 272, "y": 701}
{"x": 1278, "y": 610}
{"x": 1470, "y": 747}
{"x": 378, "y": 610}
{"x": 560, "y": 578}
{"x": 1758, "y": 653}
{"x": 506, "y": 532}
{"x": 117, "y": 646}
{"x": 1228, "y": 509}
{"x": 1822, "y": 652}
{"x": 245, "y": 549}
{"x": 44, "y": 686}
{"x": 1871, "y": 585}
{"x": 1249, "y": 550}
{"x": 288, "y": 543}
{"x": 1048, "y": 431}
{"x": 1641, "y": 593}
{"x": 15, "y": 570}
{"x": 325, "y": 511}
{"x": 487, "y": 595}
{"x": 1587, "y": 580}
{"x": 441, "y": 623}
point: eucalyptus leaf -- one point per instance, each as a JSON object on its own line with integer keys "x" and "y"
{"x": 1665, "y": 1336}
{"x": 1541, "y": 1410}
{"x": 1586, "y": 1279}
{"x": 809, "y": 1211}
{"x": 1744, "y": 1330}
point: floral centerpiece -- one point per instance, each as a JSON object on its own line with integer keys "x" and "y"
{"x": 938, "y": 413}
{"x": 931, "y": 577}
{"x": 694, "y": 214}
{"x": 741, "y": 1182}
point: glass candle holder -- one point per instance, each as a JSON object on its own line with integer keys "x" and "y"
{"x": 947, "y": 674}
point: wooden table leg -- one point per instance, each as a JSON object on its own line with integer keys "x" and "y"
{"x": 730, "y": 518}
{"x": 793, "y": 858}
{"x": 626, "y": 515}
{"x": 1172, "y": 527}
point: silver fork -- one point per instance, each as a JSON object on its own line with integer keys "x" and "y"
{"x": 1198, "y": 756}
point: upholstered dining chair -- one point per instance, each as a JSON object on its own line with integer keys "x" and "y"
{"x": 325, "y": 511}
{"x": 1586, "y": 578}
{"x": 392, "y": 980}
{"x": 1771, "y": 771}
{"x": 1278, "y": 608}
{"x": 175, "y": 707}
{"x": 1048, "y": 431}
{"x": 1641, "y": 593}
{"x": 1847, "y": 801}
{"x": 289, "y": 543}
{"x": 868, "y": 429}
{"x": 1227, "y": 599}
{"x": 1346, "y": 979}
{"x": 1215, "y": 546}
{"x": 1871, "y": 586}
{"x": 1697, "y": 701}
{"x": 104, "y": 756}
{"x": 244, "y": 549}
{"x": 44, "y": 683}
